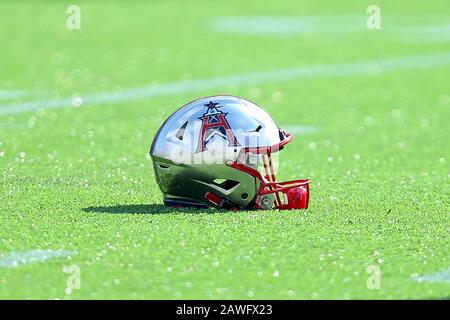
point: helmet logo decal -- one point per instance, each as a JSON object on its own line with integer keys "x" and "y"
{"x": 214, "y": 123}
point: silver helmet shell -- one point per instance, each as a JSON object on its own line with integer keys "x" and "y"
{"x": 180, "y": 135}
{"x": 195, "y": 150}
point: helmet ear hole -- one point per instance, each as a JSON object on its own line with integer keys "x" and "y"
{"x": 282, "y": 134}
{"x": 225, "y": 184}
{"x": 244, "y": 196}
{"x": 163, "y": 166}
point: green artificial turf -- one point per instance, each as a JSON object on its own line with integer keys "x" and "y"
{"x": 79, "y": 179}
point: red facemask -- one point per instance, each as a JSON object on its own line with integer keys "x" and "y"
{"x": 288, "y": 194}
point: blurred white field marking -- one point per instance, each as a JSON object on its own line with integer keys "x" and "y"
{"x": 424, "y": 34}
{"x": 300, "y": 129}
{"x": 17, "y": 258}
{"x": 412, "y": 28}
{"x": 12, "y": 94}
{"x": 438, "y": 277}
{"x": 361, "y": 68}
{"x": 273, "y": 25}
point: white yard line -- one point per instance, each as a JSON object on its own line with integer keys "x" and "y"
{"x": 17, "y": 258}
{"x": 442, "y": 276}
{"x": 300, "y": 129}
{"x": 424, "y": 34}
{"x": 368, "y": 67}
{"x": 396, "y": 27}
{"x": 12, "y": 94}
{"x": 275, "y": 25}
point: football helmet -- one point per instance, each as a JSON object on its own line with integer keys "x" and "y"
{"x": 221, "y": 151}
